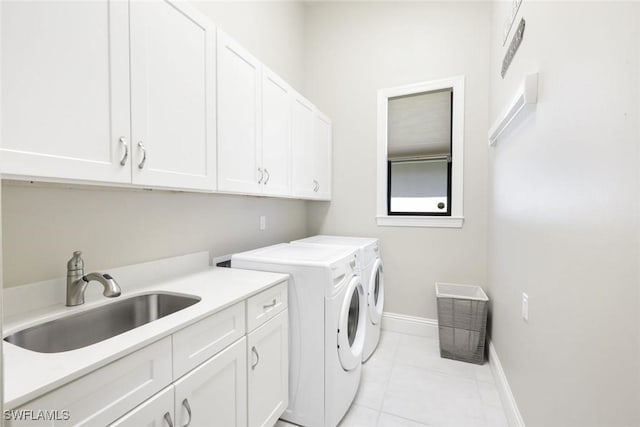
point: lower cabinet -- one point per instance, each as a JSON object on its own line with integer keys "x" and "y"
{"x": 215, "y": 393}
{"x": 242, "y": 379}
{"x": 268, "y": 373}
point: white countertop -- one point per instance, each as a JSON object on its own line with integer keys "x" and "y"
{"x": 28, "y": 374}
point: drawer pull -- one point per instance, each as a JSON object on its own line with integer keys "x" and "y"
{"x": 254, "y": 351}
{"x": 186, "y": 405}
{"x": 167, "y": 418}
{"x": 268, "y": 306}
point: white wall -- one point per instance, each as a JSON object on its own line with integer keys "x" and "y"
{"x": 352, "y": 50}
{"x": 271, "y": 30}
{"x": 43, "y": 224}
{"x": 564, "y": 215}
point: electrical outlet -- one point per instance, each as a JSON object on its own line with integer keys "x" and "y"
{"x": 263, "y": 222}
{"x": 525, "y": 307}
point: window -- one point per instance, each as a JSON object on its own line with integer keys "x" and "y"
{"x": 419, "y": 187}
{"x": 420, "y": 131}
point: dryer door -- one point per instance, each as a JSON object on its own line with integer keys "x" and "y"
{"x": 375, "y": 292}
{"x": 351, "y": 325}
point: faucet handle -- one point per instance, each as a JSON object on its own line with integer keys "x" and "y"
{"x": 76, "y": 262}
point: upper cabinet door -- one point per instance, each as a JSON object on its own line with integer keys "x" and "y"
{"x": 172, "y": 96}
{"x": 65, "y": 76}
{"x": 302, "y": 148}
{"x": 276, "y": 134}
{"x": 239, "y": 154}
{"x": 322, "y": 155}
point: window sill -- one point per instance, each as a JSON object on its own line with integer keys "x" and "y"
{"x": 420, "y": 221}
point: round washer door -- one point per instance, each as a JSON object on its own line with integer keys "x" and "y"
{"x": 351, "y": 325}
{"x": 375, "y": 292}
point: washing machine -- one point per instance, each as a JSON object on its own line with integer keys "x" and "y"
{"x": 372, "y": 277}
{"x": 327, "y": 316}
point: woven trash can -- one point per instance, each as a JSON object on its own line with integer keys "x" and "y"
{"x": 462, "y": 321}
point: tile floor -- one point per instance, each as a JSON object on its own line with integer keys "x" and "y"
{"x": 407, "y": 384}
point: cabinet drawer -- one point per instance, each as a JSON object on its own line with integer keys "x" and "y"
{"x": 266, "y": 305}
{"x": 101, "y": 396}
{"x": 198, "y": 342}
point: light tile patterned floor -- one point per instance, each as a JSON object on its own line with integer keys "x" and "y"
{"x": 407, "y": 384}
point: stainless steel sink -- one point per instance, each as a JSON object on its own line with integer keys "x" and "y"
{"x": 92, "y": 326}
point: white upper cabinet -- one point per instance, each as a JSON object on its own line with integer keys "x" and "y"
{"x": 254, "y": 124}
{"x": 172, "y": 96}
{"x": 322, "y": 155}
{"x": 276, "y": 134}
{"x": 302, "y": 147}
{"x": 239, "y": 150}
{"x": 311, "y": 161}
{"x": 149, "y": 93}
{"x": 109, "y": 91}
{"x": 65, "y": 78}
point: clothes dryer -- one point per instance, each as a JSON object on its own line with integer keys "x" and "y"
{"x": 327, "y": 316}
{"x": 372, "y": 277}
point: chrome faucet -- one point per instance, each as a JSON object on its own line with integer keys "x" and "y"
{"x": 77, "y": 281}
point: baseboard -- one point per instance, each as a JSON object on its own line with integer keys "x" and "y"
{"x": 411, "y": 325}
{"x": 506, "y": 396}
{"x": 424, "y": 327}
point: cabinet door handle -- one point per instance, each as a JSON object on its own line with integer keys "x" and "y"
{"x": 144, "y": 155}
{"x": 316, "y": 186}
{"x": 167, "y": 418}
{"x": 123, "y": 141}
{"x": 186, "y": 405}
{"x": 261, "y": 175}
{"x": 267, "y": 306}
{"x": 268, "y": 176}
{"x": 254, "y": 351}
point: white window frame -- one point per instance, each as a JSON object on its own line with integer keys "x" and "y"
{"x": 457, "y": 145}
